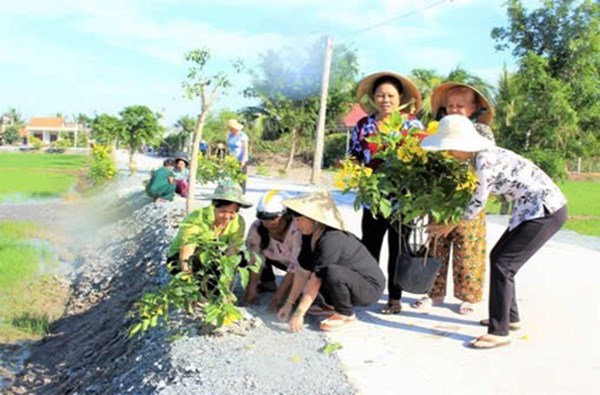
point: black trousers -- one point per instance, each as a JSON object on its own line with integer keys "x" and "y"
{"x": 373, "y": 231}
{"x": 267, "y": 274}
{"x": 344, "y": 288}
{"x": 510, "y": 253}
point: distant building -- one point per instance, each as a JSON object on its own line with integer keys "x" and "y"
{"x": 50, "y": 129}
{"x": 353, "y": 116}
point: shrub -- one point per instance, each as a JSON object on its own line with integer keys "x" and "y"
{"x": 335, "y": 148}
{"x": 212, "y": 169}
{"x": 103, "y": 167}
{"x": 36, "y": 143}
{"x": 550, "y": 162}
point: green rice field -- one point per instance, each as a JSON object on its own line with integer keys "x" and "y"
{"x": 28, "y": 299}
{"x": 583, "y": 203}
{"x": 38, "y": 175}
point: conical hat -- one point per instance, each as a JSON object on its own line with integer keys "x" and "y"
{"x": 318, "y": 206}
{"x": 438, "y": 99}
{"x": 364, "y": 92}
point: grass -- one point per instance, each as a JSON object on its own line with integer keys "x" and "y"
{"x": 30, "y": 175}
{"x": 583, "y": 204}
{"x": 28, "y": 301}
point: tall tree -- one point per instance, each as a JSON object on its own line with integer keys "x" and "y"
{"x": 140, "y": 126}
{"x": 201, "y": 84}
{"x": 106, "y": 129}
{"x": 557, "y": 47}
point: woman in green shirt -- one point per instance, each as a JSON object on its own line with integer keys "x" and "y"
{"x": 221, "y": 219}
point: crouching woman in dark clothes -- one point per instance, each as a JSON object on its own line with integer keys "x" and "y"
{"x": 332, "y": 261}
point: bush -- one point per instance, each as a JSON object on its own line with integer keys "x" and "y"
{"x": 12, "y": 135}
{"x": 63, "y": 144}
{"x": 103, "y": 167}
{"x": 550, "y": 162}
{"x": 335, "y": 148}
{"x": 36, "y": 143}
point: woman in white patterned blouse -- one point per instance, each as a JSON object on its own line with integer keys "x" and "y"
{"x": 539, "y": 211}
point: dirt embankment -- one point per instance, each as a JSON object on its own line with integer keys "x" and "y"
{"x": 119, "y": 244}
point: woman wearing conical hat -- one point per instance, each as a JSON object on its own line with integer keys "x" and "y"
{"x": 333, "y": 262}
{"x": 382, "y": 95}
{"x": 466, "y": 243}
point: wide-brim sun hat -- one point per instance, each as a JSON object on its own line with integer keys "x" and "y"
{"x": 456, "y": 132}
{"x": 231, "y": 192}
{"x": 318, "y": 206}
{"x": 235, "y": 125}
{"x": 438, "y": 99}
{"x": 364, "y": 92}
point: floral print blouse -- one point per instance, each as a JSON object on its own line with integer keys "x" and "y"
{"x": 362, "y": 150}
{"x": 518, "y": 180}
{"x": 286, "y": 252}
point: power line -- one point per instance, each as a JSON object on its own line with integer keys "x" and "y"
{"x": 371, "y": 27}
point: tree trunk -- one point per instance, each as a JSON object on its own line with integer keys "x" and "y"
{"x": 189, "y": 204}
{"x": 132, "y": 166}
{"x": 288, "y": 165}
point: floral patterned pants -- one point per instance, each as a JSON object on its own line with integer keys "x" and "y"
{"x": 467, "y": 244}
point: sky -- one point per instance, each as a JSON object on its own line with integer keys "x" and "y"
{"x": 92, "y": 57}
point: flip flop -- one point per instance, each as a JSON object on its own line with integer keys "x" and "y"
{"x": 323, "y": 310}
{"x": 489, "y": 341}
{"x": 513, "y": 326}
{"x": 392, "y": 308}
{"x": 466, "y": 308}
{"x": 337, "y": 321}
{"x": 425, "y": 303}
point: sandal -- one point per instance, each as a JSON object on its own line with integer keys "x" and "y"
{"x": 321, "y": 310}
{"x": 392, "y": 308}
{"x": 337, "y": 321}
{"x": 512, "y": 326}
{"x": 466, "y": 308}
{"x": 425, "y": 303}
{"x": 489, "y": 341}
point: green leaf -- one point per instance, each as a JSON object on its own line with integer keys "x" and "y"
{"x": 331, "y": 347}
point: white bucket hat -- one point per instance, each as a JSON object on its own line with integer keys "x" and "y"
{"x": 456, "y": 132}
{"x": 318, "y": 206}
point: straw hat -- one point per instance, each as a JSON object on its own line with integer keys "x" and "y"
{"x": 438, "y": 99}
{"x": 456, "y": 132}
{"x": 235, "y": 125}
{"x": 318, "y": 206}
{"x": 364, "y": 92}
{"x": 229, "y": 191}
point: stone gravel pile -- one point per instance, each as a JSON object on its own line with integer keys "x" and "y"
{"x": 118, "y": 247}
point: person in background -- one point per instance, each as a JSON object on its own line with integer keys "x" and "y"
{"x": 467, "y": 240}
{"x": 332, "y": 261}
{"x": 237, "y": 142}
{"x": 204, "y": 147}
{"x": 161, "y": 186}
{"x": 380, "y": 95}
{"x": 275, "y": 238}
{"x": 539, "y": 211}
{"x": 222, "y": 216}
{"x": 182, "y": 175}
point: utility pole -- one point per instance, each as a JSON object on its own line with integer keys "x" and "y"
{"x": 318, "y": 157}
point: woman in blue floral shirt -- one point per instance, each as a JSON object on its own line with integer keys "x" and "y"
{"x": 380, "y": 95}
{"x": 539, "y": 211}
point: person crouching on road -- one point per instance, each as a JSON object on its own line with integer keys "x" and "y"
{"x": 539, "y": 211}
{"x": 161, "y": 186}
{"x": 275, "y": 238}
{"x": 332, "y": 261}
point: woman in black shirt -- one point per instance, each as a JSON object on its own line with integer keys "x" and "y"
{"x": 332, "y": 261}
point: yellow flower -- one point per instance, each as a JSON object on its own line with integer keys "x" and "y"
{"x": 432, "y": 127}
